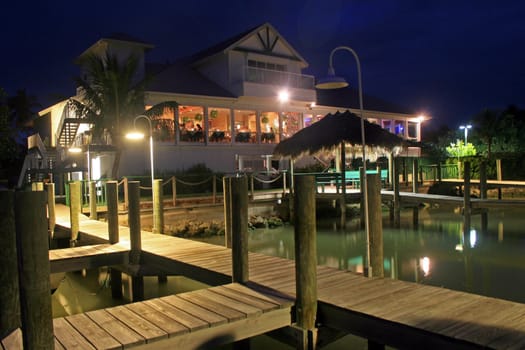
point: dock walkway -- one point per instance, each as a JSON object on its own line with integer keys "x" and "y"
{"x": 397, "y": 313}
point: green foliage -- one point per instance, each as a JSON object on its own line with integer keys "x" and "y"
{"x": 459, "y": 149}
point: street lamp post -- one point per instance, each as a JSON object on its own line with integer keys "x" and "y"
{"x": 465, "y": 127}
{"x": 334, "y": 82}
{"x": 135, "y": 135}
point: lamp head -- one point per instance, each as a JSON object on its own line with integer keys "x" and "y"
{"x": 135, "y": 135}
{"x": 331, "y": 81}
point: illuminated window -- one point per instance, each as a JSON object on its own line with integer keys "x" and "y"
{"x": 244, "y": 126}
{"x": 191, "y": 123}
{"x": 219, "y": 124}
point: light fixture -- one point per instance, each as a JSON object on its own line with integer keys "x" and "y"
{"x": 284, "y": 96}
{"x": 334, "y": 82}
{"x": 74, "y": 149}
{"x": 465, "y": 127}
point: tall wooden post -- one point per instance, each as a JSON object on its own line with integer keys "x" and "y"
{"x": 305, "y": 260}
{"x": 466, "y": 197}
{"x": 158, "y": 206}
{"x": 362, "y": 175}
{"x": 137, "y": 281}
{"x": 375, "y": 219}
{"x": 174, "y": 190}
{"x": 74, "y": 210}
{"x": 239, "y": 211}
{"x": 34, "y": 270}
{"x": 126, "y": 197}
{"x": 113, "y": 230}
{"x": 397, "y": 201}
{"x": 415, "y": 173}
{"x": 93, "y": 200}
{"x": 342, "y": 201}
{"x": 214, "y": 189}
{"x": 51, "y": 212}
{"x": 226, "y": 190}
{"x": 9, "y": 293}
{"x": 483, "y": 193}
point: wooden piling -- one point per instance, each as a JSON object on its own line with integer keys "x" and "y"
{"x": 415, "y": 173}
{"x": 34, "y": 270}
{"x": 214, "y": 189}
{"x": 112, "y": 205}
{"x": 75, "y": 208}
{"x": 137, "y": 282}
{"x": 9, "y": 293}
{"x": 305, "y": 259}
{"x": 239, "y": 211}
{"x": 375, "y": 219}
{"x": 93, "y": 200}
{"x": 51, "y": 212}
{"x": 174, "y": 190}
{"x": 227, "y": 200}
{"x": 158, "y": 206}
{"x": 397, "y": 200}
{"x": 466, "y": 197}
{"x": 483, "y": 194}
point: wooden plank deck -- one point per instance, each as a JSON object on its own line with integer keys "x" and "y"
{"x": 193, "y": 320}
{"x": 401, "y": 314}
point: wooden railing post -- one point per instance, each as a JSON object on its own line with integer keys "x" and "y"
{"x": 252, "y": 187}
{"x": 214, "y": 188}
{"x": 10, "y": 292}
{"x": 126, "y": 196}
{"x": 74, "y": 210}
{"x": 305, "y": 260}
{"x": 113, "y": 230}
{"x": 373, "y": 182}
{"x": 93, "y": 200}
{"x": 415, "y": 173}
{"x": 466, "y": 197}
{"x": 51, "y": 212}
{"x": 137, "y": 281}
{"x": 483, "y": 193}
{"x": 397, "y": 200}
{"x": 34, "y": 270}
{"x": 227, "y": 200}
{"x": 239, "y": 213}
{"x": 158, "y": 206}
{"x": 174, "y": 190}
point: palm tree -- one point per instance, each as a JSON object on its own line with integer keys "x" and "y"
{"x": 21, "y": 108}
{"x": 487, "y": 127}
{"x": 111, "y": 96}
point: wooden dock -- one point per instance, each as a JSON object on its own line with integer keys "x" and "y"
{"x": 392, "y": 312}
{"x": 193, "y": 320}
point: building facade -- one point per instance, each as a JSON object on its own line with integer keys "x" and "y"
{"x": 237, "y": 100}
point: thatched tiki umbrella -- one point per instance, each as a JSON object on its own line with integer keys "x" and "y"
{"x": 334, "y": 130}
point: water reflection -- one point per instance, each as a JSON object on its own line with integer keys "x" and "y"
{"x": 438, "y": 252}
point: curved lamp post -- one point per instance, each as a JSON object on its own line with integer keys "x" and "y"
{"x": 334, "y": 82}
{"x": 137, "y": 135}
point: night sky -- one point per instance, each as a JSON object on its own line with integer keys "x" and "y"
{"x": 447, "y": 59}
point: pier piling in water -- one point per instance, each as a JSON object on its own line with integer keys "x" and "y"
{"x": 137, "y": 281}
{"x": 239, "y": 210}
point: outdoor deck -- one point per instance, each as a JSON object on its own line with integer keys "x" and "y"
{"x": 401, "y": 314}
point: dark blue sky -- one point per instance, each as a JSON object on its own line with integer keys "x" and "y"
{"x": 449, "y": 59}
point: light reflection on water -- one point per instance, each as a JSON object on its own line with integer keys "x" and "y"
{"x": 436, "y": 253}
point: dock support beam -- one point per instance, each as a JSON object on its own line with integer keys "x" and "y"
{"x": 51, "y": 212}
{"x": 397, "y": 202}
{"x": 10, "y": 292}
{"x": 158, "y": 206}
{"x": 466, "y": 197}
{"x": 74, "y": 210}
{"x": 305, "y": 261}
{"x": 92, "y": 200}
{"x": 137, "y": 281}
{"x": 113, "y": 230}
{"x": 239, "y": 210}
{"x": 226, "y": 190}
{"x": 375, "y": 218}
{"x": 34, "y": 270}
{"x": 483, "y": 193}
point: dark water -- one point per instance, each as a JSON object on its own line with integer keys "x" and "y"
{"x": 438, "y": 252}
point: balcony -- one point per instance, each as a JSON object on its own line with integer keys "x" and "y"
{"x": 273, "y": 77}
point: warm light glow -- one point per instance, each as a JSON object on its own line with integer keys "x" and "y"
{"x": 75, "y": 150}
{"x": 425, "y": 265}
{"x": 459, "y": 247}
{"x": 96, "y": 168}
{"x": 465, "y": 126}
{"x": 284, "y": 96}
{"x": 312, "y": 104}
{"x": 473, "y": 238}
{"x": 135, "y": 135}
{"x": 421, "y": 118}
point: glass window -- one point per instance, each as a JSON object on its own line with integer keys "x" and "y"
{"x": 291, "y": 123}
{"x": 399, "y": 128}
{"x": 163, "y": 125}
{"x": 191, "y": 123}
{"x": 219, "y": 124}
{"x": 244, "y": 127}
{"x": 269, "y": 127}
{"x": 412, "y": 130}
